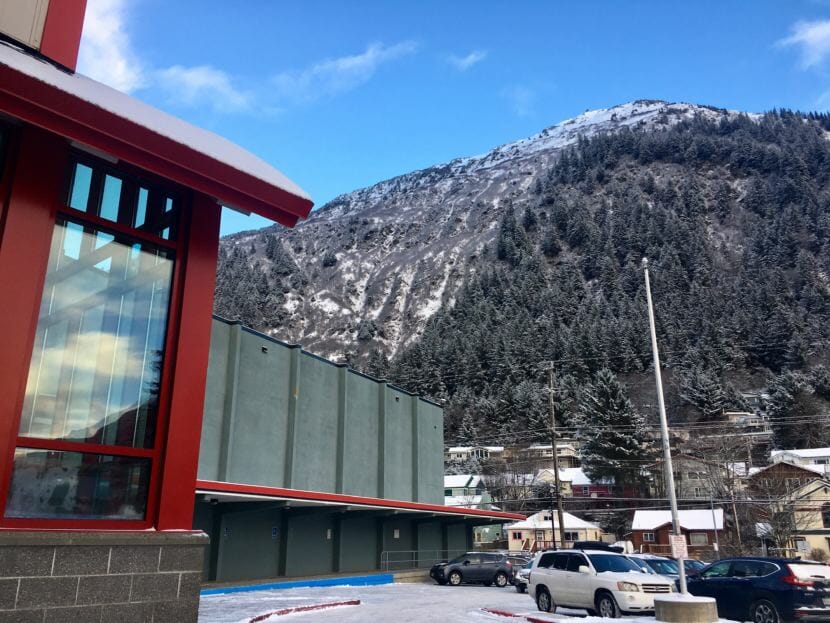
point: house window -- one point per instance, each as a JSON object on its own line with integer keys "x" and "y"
{"x": 516, "y": 536}
{"x": 793, "y": 483}
{"x": 825, "y": 515}
{"x": 87, "y": 442}
{"x": 698, "y": 492}
{"x": 698, "y": 538}
{"x": 648, "y": 537}
{"x": 571, "y": 536}
{"x": 586, "y": 490}
{"x": 447, "y": 492}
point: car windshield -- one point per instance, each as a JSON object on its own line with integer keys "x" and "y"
{"x": 459, "y": 559}
{"x": 664, "y": 567}
{"x": 695, "y": 565}
{"x": 642, "y": 564}
{"x": 610, "y": 562}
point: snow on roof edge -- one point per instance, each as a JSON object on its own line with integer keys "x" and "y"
{"x": 164, "y": 124}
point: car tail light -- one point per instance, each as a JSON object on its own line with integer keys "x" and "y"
{"x": 793, "y": 580}
{"x": 509, "y": 564}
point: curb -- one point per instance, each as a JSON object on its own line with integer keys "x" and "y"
{"x": 358, "y": 580}
{"x": 283, "y": 611}
{"x": 513, "y": 615}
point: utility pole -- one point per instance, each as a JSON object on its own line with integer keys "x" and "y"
{"x": 664, "y": 430}
{"x": 715, "y": 525}
{"x": 559, "y": 512}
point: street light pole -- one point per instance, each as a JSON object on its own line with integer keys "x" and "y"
{"x": 559, "y": 512}
{"x": 664, "y": 429}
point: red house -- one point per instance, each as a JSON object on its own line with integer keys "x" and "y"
{"x": 650, "y": 531}
{"x": 109, "y": 227}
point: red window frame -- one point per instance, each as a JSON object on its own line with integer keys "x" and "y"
{"x": 179, "y": 248}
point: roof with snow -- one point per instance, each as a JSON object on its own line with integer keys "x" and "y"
{"x": 699, "y": 519}
{"x": 807, "y": 453}
{"x": 471, "y": 448}
{"x": 538, "y": 521}
{"x": 459, "y": 481}
{"x": 94, "y": 115}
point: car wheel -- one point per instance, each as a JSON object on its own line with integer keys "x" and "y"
{"x": 543, "y": 600}
{"x": 521, "y": 588}
{"x": 607, "y": 606}
{"x": 763, "y": 611}
{"x": 455, "y": 578}
{"x": 500, "y": 579}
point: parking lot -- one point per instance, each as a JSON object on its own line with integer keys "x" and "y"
{"x": 397, "y": 603}
{"x": 400, "y": 603}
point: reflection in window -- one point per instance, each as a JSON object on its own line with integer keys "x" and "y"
{"x": 71, "y": 485}
{"x": 96, "y": 363}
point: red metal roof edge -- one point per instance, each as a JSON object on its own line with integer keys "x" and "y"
{"x": 53, "y": 109}
{"x": 320, "y": 496}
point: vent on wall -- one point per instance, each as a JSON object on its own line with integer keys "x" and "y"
{"x": 23, "y": 20}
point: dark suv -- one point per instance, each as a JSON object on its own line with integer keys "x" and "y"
{"x": 766, "y": 590}
{"x": 474, "y": 567}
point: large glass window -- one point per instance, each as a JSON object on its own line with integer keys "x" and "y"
{"x": 72, "y": 485}
{"x": 95, "y": 369}
{"x": 86, "y": 445}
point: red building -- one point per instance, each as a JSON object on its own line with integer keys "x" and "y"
{"x": 109, "y": 227}
{"x": 650, "y": 531}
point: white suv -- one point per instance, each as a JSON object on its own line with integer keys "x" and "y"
{"x": 602, "y": 582}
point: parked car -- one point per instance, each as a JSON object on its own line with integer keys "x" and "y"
{"x": 658, "y": 564}
{"x": 766, "y": 590}
{"x": 474, "y": 567}
{"x": 602, "y": 582}
{"x": 520, "y": 577}
{"x": 693, "y": 567}
{"x": 597, "y": 545}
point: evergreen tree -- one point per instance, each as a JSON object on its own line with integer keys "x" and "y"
{"x": 614, "y": 446}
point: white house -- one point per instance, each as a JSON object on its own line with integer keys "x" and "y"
{"x": 466, "y": 491}
{"x": 534, "y": 533}
{"x": 482, "y": 453}
{"x": 808, "y": 456}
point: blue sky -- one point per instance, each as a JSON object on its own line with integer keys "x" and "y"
{"x": 342, "y": 94}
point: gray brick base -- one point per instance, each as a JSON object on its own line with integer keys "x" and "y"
{"x": 100, "y": 577}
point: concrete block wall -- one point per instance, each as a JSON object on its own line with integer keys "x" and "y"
{"x": 100, "y": 577}
{"x": 278, "y": 416}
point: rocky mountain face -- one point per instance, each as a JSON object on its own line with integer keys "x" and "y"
{"x": 370, "y": 268}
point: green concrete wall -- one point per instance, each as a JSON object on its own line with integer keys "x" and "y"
{"x": 310, "y": 544}
{"x": 247, "y": 546}
{"x": 358, "y": 544}
{"x": 278, "y": 416}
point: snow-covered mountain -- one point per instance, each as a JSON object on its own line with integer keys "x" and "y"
{"x": 371, "y": 267}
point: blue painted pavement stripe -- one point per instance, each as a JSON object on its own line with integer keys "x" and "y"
{"x": 357, "y": 580}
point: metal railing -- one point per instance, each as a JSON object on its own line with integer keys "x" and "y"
{"x": 400, "y": 560}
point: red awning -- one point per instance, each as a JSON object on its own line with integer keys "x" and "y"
{"x": 95, "y": 115}
{"x": 245, "y": 491}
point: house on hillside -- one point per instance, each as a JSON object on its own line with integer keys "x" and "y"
{"x": 781, "y": 478}
{"x": 567, "y": 453}
{"x": 808, "y": 456}
{"x": 798, "y": 523}
{"x": 650, "y": 530}
{"x": 694, "y": 478}
{"x": 534, "y": 533}
{"x": 480, "y": 453}
{"x": 466, "y": 491}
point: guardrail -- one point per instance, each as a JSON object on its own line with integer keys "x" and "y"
{"x": 400, "y": 560}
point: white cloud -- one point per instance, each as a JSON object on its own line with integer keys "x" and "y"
{"x": 521, "y": 99}
{"x": 105, "y": 53}
{"x": 203, "y": 86}
{"x": 333, "y": 76}
{"x": 814, "y": 40}
{"x": 463, "y": 63}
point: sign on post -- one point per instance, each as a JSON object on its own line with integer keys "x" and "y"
{"x": 678, "y": 546}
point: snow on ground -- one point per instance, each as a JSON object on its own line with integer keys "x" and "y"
{"x": 401, "y": 603}
{"x": 398, "y": 603}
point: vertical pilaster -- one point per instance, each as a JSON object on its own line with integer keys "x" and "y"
{"x": 293, "y": 407}
{"x": 282, "y": 561}
{"x": 342, "y": 397}
{"x": 229, "y": 406}
{"x": 381, "y": 439}
{"x": 415, "y": 451}
{"x": 337, "y": 542}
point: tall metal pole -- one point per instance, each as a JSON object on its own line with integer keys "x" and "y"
{"x": 559, "y": 512}
{"x": 664, "y": 429}
{"x": 715, "y": 525}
